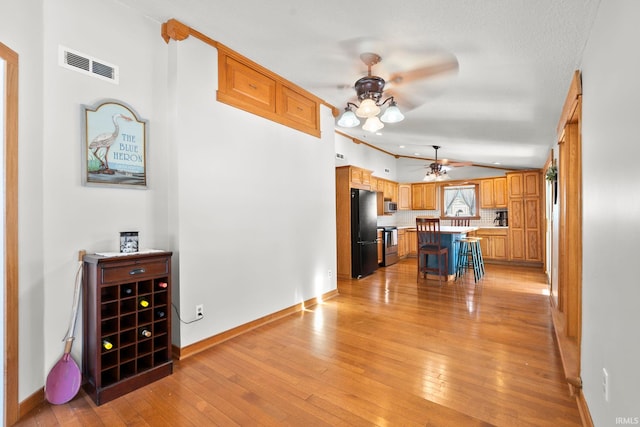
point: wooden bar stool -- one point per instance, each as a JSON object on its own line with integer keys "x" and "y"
{"x": 429, "y": 243}
{"x": 479, "y": 254}
{"x": 470, "y": 256}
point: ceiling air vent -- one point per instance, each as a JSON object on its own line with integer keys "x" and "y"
{"x": 86, "y": 64}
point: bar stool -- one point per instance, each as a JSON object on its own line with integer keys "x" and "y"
{"x": 430, "y": 243}
{"x": 470, "y": 256}
{"x": 479, "y": 254}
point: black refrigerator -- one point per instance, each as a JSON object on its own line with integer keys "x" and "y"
{"x": 364, "y": 233}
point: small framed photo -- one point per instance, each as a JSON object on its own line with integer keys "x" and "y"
{"x": 128, "y": 242}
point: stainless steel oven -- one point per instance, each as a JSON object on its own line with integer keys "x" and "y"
{"x": 389, "y": 245}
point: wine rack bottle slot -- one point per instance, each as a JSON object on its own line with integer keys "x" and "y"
{"x": 128, "y": 290}
{"x": 126, "y": 323}
{"x": 128, "y": 306}
{"x": 145, "y": 287}
{"x": 128, "y": 369}
{"x": 127, "y": 353}
{"x": 145, "y": 316}
{"x": 109, "y": 293}
{"x": 110, "y": 326}
{"x": 109, "y": 309}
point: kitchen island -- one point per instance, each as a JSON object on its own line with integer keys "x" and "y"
{"x": 450, "y": 235}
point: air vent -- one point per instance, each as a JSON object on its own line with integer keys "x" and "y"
{"x": 86, "y": 64}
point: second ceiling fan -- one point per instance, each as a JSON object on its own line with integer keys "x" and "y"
{"x": 437, "y": 171}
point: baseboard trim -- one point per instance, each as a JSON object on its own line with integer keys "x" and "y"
{"x": 583, "y": 408}
{"x": 30, "y": 403}
{"x": 180, "y": 353}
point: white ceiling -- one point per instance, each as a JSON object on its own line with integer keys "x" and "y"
{"x": 516, "y": 60}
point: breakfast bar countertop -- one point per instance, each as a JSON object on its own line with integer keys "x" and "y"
{"x": 448, "y": 229}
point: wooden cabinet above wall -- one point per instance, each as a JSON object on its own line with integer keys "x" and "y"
{"x": 246, "y": 85}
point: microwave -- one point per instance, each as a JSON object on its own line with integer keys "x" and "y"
{"x": 390, "y": 207}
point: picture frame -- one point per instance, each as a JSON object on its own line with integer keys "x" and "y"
{"x": 114, "y": 145}
{"x": 129, "y": 242}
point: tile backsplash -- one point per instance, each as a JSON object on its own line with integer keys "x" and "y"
{"x": 408, "y": 218}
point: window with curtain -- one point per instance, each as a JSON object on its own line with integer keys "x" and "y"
{"x": 460, "y": 200}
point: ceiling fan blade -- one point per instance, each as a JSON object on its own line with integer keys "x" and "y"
{"x": 447, "y": 162}
{"x": 406, "y": 100}
{"x": 423, "y": 72}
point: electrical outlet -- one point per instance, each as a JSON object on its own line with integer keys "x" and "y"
{"x": 330, "y": 274}
{"x": 605, "y": 384}
{"x": 199, "y": 311}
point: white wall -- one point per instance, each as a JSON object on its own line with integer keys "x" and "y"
{"x": 256, "y": 225}
{"x": 18, "y": 33}
{"x": 611, "y": 204}
{"x": 224, "y": 212}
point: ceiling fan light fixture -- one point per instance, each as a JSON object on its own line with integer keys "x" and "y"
{"x": 348, "y": 119}
{"x": 392, "y": 114}
{"x": 373, "y": 124}
{"x": 367, "y": 109}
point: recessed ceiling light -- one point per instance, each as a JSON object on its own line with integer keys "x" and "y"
{"x": 496, "y": 163}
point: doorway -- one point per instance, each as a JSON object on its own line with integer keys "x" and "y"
{"x": 9, "y": 234}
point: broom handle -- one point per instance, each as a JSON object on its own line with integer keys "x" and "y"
{"x": 76, "y": 302}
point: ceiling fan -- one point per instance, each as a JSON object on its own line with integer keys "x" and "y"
{"x": 370, "y": 91}
{"x": 438, "y": 169}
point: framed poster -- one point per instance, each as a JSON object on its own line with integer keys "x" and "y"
{"x": 114, "y": 145}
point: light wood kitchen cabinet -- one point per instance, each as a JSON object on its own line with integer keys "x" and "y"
{"x": 250, "y": 87}
{"x": 391, "y": 191}
{"x": 423, "y": 196}
{"x": 525, "y": 217}
{"x": 500, "y": 197}
{"x": 380, "y": 247}
{"x": 412, "y": 242}
{"x": 360, "y": 176}
{"x": 404, "y": 197}
{"x": 493, "y": 193}
{"x": 523, "y": 184}
{"x": 402, "y": 243}
{"x": 494, "y": 243}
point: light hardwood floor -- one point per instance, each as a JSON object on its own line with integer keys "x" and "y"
{"x": 386, "y": 352}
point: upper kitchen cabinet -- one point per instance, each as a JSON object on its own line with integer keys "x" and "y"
{"x": 493, "y": 193}
{"x": 404, "y": 197}
{"x": 390, "y": 191}
{"x": 523, "y": 184}
{"x": 252, "y": 88}
{"x": 360, "y": 177}
{"x": 424, "y": 196}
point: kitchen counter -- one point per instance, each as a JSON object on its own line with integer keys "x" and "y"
{"x": 447, "y": 229}
{"x": 449, "y": 239}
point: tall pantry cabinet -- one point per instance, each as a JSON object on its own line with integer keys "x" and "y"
{"x": 525, "y": 217}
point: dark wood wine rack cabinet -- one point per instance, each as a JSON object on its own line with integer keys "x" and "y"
{"x": 127, "y": 323}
